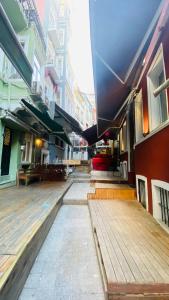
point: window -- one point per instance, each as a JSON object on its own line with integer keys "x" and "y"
{"x": 60, "y": 66}
{"x": 157, "y": 105}
{"x": 36, "y": 70}
{"x": 160, "y": 193}
{"x": 27, "y": 148}
{"x": 123, "y": 138}
{"x": 138, "y": 104}
{"x": 61, "y": 37}
{"x": 62, "y": 11}
{"x": 142, "y": 192}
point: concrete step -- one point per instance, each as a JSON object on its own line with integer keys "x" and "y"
{"x": 77, "y": 194}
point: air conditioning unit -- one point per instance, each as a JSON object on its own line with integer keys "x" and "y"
{"x": 37, "y": 88}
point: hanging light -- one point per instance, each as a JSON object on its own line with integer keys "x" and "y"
{"x": 38, "y": 143}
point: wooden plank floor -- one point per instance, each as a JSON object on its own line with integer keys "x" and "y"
{"x": 112, "y": 191}
{"x": 23, "y": 211}
{"x": 133, "y": 250}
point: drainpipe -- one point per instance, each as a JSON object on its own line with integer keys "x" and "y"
{"x": 161, "y": 88}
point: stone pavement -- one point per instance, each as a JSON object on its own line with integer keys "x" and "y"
{"x": 77, "y": 194}
{"x": 66, "y": 267}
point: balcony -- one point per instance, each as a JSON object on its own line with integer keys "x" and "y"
{"x": 38, "y": 95}
{"x": 13, "y": 49}
{"x": 16, "y": 13}
{"x": 51, "y": 69}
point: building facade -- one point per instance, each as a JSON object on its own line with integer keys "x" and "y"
{"x": 143, "y": 137}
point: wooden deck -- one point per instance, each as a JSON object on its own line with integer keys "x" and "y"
{"x": 133, "y": 250}
{"x": 26, "y": 215}
{"x": 112, "y": 191}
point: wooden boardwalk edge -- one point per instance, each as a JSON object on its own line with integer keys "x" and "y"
{"x": 13, "y": 280}
{"x": 121, "y": 291}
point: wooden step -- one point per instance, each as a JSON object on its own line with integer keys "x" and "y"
{"x": 112, "y": 191}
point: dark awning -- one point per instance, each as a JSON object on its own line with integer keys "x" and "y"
{"x": 91, "y": 136}
{"x": 64, "y": 119}
{"x": 110, "y": 129}
{"x": 12, "y": 48}
{"x": 44, "y": 118}
{"x": 13, "y": 121}
{"x": 120, "y": 33}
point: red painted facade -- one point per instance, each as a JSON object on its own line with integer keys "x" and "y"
{"x": 152, "y": 155}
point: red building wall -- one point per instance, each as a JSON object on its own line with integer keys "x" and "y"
{"x": 152, "y": 155}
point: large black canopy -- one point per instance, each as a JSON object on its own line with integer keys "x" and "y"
{"x": 120, "y": 35}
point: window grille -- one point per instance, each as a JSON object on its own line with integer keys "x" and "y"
{"x": 164, "y": 205}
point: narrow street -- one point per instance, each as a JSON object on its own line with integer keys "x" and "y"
{"x": 67, "y": 265}
{"x": 84, "y": 150}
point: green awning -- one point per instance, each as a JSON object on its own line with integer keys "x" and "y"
{"x": 12, "y": 48}
{"x": 44, "y": 119}
{"x": 64, "y": 119}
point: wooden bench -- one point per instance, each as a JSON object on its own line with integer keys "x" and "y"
{"x": 42, "y": 172}
{"x": 28, "y": 175}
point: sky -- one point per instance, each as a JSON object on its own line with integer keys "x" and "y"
{"x": 80, "y": 46}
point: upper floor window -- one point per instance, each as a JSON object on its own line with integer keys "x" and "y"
{"x": 138, "y": 105}
{"x": 61, "y": 37}
{"x": 123, "y": 137}
{"x": 60, "y": 65}
{"x": 62, "y": 11}
{"x": 158, "y": 107}
{"x": 36, "y": 70}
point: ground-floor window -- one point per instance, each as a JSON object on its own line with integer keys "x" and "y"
{"x": 164, "y": 205}
{"x": 160, "y": 193}
{"x": 142, "y": 193}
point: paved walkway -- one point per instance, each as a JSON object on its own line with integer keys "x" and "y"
{"x": 66, "y": 267}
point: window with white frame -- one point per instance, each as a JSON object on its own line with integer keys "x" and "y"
{"x": 158, "y": 108}
{"x": 36, "y": 70}
{"x": 61, "y": 37}
{"x": 60, "y": 65}
{"x": 123, "y": 138}
{"x": 138, "y": 105}
{"x": 13, "y": 73}
{"x": 142, "y": 190}
{"x": 160, "y": 193}
{"x": 27, "y": 148}
{"x": 62, "y": 11}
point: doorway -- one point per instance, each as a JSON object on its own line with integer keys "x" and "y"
{"x": 6, "y": 151}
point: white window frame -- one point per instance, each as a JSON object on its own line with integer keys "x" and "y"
{"x": 60, "y": 65}
{"x": 61, "y": 35}
{"x": 159, "y": 56}
{"x": 141, "y": 177}
{"x": 36, "y": 70}
{"x": 154, "y": 185}
{"x": 30, "y": 140}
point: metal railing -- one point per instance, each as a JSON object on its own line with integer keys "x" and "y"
{"x": 31, "y": 13}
